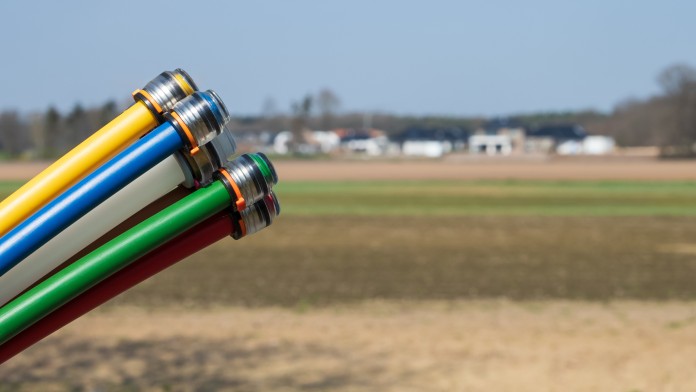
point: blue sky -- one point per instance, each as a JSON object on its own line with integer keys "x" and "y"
{"x": 408, "y": 57}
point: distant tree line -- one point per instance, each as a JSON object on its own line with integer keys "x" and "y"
{"x": 50, "y": 134}
{"x": 667, "y": 120}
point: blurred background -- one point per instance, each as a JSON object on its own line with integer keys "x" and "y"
{"x": 476, "y": 196}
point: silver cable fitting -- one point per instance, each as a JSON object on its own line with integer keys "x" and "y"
{"x": 257, "y": 217}
{"x": 163, "y": 92}
{"x": 199, "y": 169}
{"x": 199, "y": 118}
{"x": 248, "y": 178}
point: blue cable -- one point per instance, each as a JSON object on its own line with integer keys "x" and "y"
{"x": 70, "y": 206}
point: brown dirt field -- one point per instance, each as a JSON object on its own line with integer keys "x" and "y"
{"x": 570, "y": 169}
{"x": 326, "y": 260}
{"x": 372, "y": 346}
{"x": 482, "y": 170}
{"x": 17, "y": 171}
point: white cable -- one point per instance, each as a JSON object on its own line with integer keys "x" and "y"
{"x": 144, "y": 190}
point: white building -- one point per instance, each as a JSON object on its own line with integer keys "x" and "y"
{"x": 598, "y": 145}
{"x": 426, "y": 148}
{"x": 326, "y": 140}
{"x": 372, "y": 146}
{"x": 281, "y": 141}
{"x": 590, "y": 145}
{"x": 570, "y": 147}
{"x": 316, "y": 142}
{"x": 490, "y": 144}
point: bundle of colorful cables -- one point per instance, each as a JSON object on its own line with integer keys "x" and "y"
{"x": 105, "y": 216}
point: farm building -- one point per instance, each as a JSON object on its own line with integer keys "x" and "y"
{"x": 568, "y": 139}
{"x": 431, "y": 142}
{"x": 372, "y": 142}
{"x": 500, "y": 136}
{"x": 490, "y": 144}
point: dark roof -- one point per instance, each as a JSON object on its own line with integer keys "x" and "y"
{"x": 356, "y": 137}
{"x": 440, "y": 134}
{"x": 560, "y": 132}
{"x": 497, "y": 123}
{"x": 355, "y": 134}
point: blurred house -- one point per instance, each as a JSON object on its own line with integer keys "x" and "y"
{"x": 431, "y": 142}
{"x": 564, "y": 139}
{"x": 253, "y": 140}
{"x": 372, "y": 142}
{"x": 315, "y": 142}
{"x": 590, "y": 145}
{"x": 503, "y": 136}
{"x": 598, "y": 145}
{"x": 425, "y": 148}
{"x": 499, "y": 136}
{"x": 568, "y": 139}
{"x": 490, "y": 144}
{"x": 326, "y": 141}
{"x": 281, "y": 143}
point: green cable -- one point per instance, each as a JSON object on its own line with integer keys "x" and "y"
{"x": 116, "y": 254}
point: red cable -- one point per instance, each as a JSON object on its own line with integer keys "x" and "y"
{"x": 146, "y": 212}
{"x": 206, "y": 233}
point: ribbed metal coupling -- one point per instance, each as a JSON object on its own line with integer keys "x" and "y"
{"x": 163, "y": 92}
{"x": 199, "y": 118}
{"x": 257, "y": 217}
{"x": 250, "y": 177}
{"x": 199, "y": 169}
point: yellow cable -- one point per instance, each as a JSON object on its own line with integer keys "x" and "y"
{"x": 76, "y": 164}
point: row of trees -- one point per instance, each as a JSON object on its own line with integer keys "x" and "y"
{"x": 667, "y": 120}
{"x": 50, "y": 134}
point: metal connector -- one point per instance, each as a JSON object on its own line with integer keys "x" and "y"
{"x": 199, "y": 118}
{"x": 199, "y": 169}
{"x": 257, "y": 217}
{"x": 223, "y": 147}
{"x": 248, "y": 178}
{"x": 163, "y": 92}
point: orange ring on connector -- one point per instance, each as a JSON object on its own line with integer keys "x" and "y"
{"x": 240, "y": 203}
{"x": 149, "y": 99}
{"x": 187, "y": 131}
{"x": 242, "y": 226}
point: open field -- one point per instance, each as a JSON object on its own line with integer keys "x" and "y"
{"x": 418, "y": 283}
{"x": 587, "y": 168}
{"x": 352, "y": 241}
{"x": 320, "y": 261}
{"x": 442, "y": 198}
{"x": 374, "y": 346}
{"x": 488, "y": 197}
